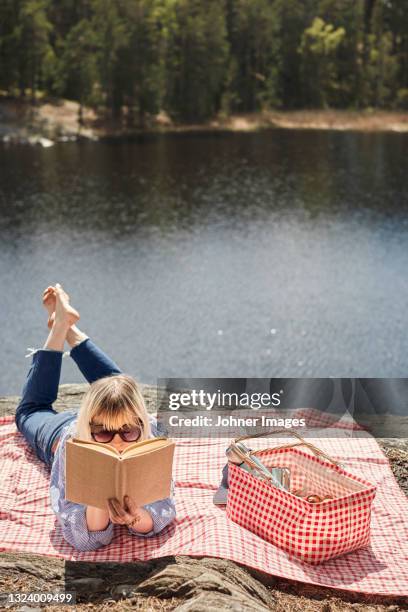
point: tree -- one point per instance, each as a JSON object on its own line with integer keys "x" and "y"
{"x": 140, "y": 66}
{"x": 36, "y": 58}
{"x": 348, "y": 14}
{"x": 196, "y": 58}
{"x": 109, "y": 25}
{"x": 9, "y": 44}
{"x": 318, "y": 49}
{"x": 253, "y": 29}
{"x": 77, "y": 73}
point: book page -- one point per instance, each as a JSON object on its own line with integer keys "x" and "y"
{"x": 91, "y": 476}
{"x": 97, "y": 446}
{"x": 147, "y": 476}
{"x": 146, "y": 446}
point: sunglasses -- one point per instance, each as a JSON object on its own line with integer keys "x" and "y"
{"x": 129, "y": 434}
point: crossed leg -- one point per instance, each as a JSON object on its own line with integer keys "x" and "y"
{"x": 36, "y": 418}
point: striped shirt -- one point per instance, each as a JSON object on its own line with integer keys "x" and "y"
{"x": 72, "y": 517}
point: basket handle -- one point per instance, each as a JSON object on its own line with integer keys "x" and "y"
{"x": 316, "y": 451}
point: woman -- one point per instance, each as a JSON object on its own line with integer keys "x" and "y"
{"x": 112, "y": 412}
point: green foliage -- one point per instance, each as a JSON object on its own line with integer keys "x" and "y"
{"x": 318, "y": 49}
{"x": 140, "y": 67}
{"x": 196, "y": 58}
{"x": 9, "y": 44}
{"x": 381, "y": 71}
{"x": 255, "y": 54}
{"x": 27, "y": 55}
{"x": 402, "y": 99}
{"x": 77, "y": 73}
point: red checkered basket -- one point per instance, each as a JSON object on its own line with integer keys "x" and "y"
{"x": 311, "y": 532}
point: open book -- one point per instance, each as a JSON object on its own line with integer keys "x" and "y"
{"x": 94, "y": 472}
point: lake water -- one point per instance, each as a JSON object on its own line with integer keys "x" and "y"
{"x": 280, "y": 253}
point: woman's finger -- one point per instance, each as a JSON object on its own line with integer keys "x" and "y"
{"x": 113, "y": 514}
{"x": 116, "y": 506}
{"x": 47, "y": 293}
{"x": 119, "y": 511}
{"x": 115, "y": 518}
{"x": 131, "y": 506}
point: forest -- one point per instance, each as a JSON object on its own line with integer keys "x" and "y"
{"x": 194, "y": 59}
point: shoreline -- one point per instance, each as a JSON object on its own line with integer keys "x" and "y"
{"x": 49, "y": 122}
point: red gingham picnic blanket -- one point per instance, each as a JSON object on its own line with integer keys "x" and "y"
{"x": 202, "y": 529}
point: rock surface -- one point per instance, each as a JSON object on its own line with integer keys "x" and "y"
{"x": 184, "y": 584}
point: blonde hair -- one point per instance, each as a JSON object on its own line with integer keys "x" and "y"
{"x": 113, "y": 401}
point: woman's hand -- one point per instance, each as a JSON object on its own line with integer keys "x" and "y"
{"x": 130, "y": 514}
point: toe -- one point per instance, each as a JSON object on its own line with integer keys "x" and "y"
{"x": 63, "y": 294}
{"x": 59, "y": 290}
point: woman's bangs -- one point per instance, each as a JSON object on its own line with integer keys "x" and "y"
{"x": 115, "y": 420}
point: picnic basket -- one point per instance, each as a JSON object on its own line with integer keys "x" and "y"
{"x": 311, "y": 532}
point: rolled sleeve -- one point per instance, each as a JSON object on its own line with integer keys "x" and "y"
{"x": 163, "y": 512}
{"x": 71, "y": 516}
{"x": 75, "y": 531}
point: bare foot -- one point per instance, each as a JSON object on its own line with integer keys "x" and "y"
{"x": 49, "y": 300}
{"x": 65, "y": 314}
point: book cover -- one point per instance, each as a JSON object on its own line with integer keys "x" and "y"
{"x": 95, "y": 472}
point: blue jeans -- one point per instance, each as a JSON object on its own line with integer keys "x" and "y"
{"x": 36, "y": 419}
